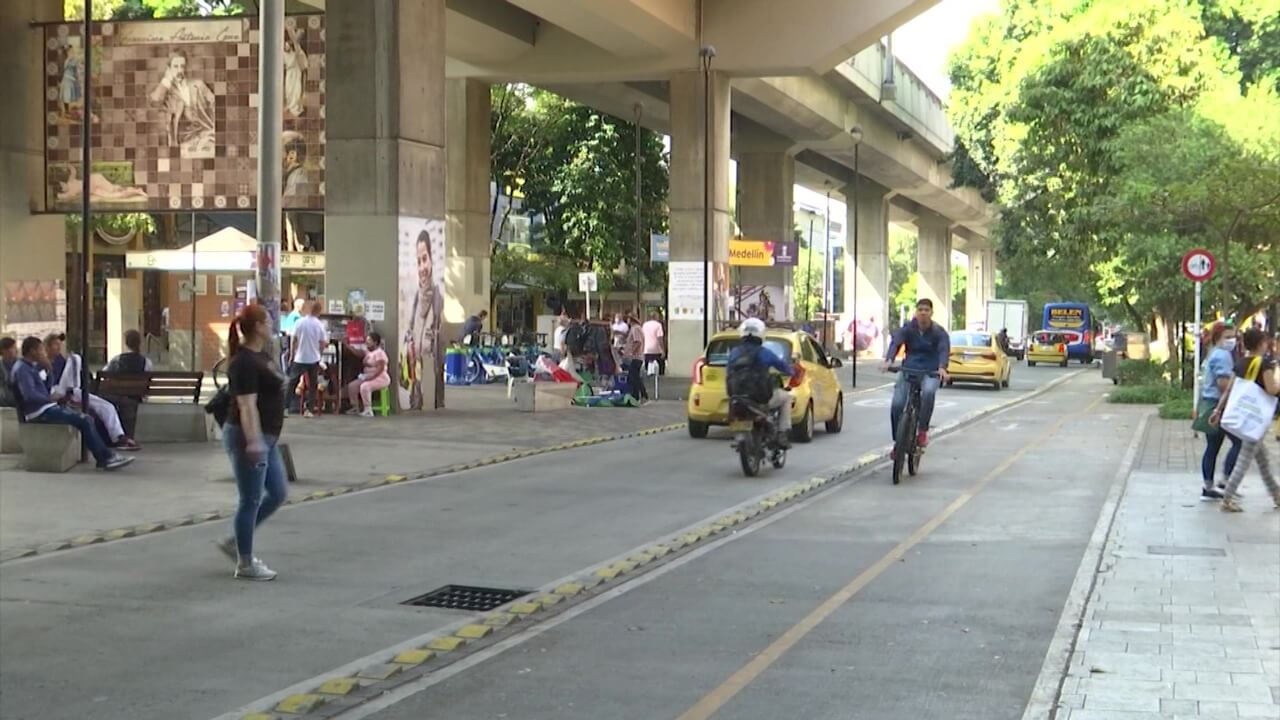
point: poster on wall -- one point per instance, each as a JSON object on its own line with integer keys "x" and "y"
{"x": 175, "y": 114}
{"x": 421, "y": 290}
{"x": 767, "y": 302}
{"x": 34, "y": 308}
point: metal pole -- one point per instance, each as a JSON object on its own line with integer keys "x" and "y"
{"x": 808, "y": 276}
{"x": 270, "y": 128}
{"x": 857, "y": 269}
{"x": 86, "y": 213}
{"x": 826, "y": 266}
{"x": 639, "y": 210}
{"x": 1195, "y": 387}
{"x": 707, "y": 54}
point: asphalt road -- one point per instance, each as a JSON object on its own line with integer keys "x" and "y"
{"x": 154, "y": 627}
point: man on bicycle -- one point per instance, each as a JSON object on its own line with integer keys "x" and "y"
{"x": 750, "y": 357}
{"x": 928, "y": 349}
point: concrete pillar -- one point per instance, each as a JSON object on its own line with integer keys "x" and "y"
{"x": 124, "y": 311}
{"x": 385, "y": 159}
{"x": 32, "y": 247}
{"x": 870, "y": 216}
{"x": 981, "y": 285}
{"x": 766, "y": 190}
{"x": 687, "y": 206}
{"x": 933, "y": 262}
{"x": 467, "y": 238}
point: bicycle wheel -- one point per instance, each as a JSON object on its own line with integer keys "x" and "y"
{"x": 913, "y": 460}
{"x": 903, "y": 444}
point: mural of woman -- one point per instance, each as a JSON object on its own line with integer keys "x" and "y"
{"x": 295, "y": 72}
{"x": 419, "y": 358}
{"x": 71, "y": 87}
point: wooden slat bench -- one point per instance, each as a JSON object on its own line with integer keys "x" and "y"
{"x": 176, "y": 417}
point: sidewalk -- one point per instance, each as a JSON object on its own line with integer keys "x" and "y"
{"x": 170, "y": 481}
{"x": 1184, "y": 618}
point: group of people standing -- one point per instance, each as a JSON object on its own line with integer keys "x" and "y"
{"x": 1248, "y": 357}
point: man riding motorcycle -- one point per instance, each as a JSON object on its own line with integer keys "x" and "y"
{"x": 752, "y": 354}
{"x": 928, "y": 353}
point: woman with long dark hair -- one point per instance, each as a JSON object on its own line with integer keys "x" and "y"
{"x": 254, "y": 421}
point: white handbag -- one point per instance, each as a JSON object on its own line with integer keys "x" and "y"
{"x": 1249, "y": 411}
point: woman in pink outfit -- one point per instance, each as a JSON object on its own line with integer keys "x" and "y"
{"x": 374, "y": 377}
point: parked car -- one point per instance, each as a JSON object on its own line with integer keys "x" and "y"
{"x": 976, "y": 357}
{"x": 1050, "y": 347}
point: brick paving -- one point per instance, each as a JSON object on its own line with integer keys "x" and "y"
{"x": 1184, "y": 619}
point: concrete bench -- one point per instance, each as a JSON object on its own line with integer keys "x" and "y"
{"x": 9, "y": 442}
{"x": 49, "y": 448}
{"x": 171, "y": 422}
{"x": 543, "y": 396}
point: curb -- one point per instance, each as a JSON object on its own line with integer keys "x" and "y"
{"x": 347, "y": 687}
{"x": 97, "y": 538}
{"x": 1047, "y": 691}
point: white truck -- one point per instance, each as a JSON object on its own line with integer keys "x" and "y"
{"x": 1012, "y": 316}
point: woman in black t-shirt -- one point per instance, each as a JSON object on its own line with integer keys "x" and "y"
{"x": 1261, "y": 370}
{"x": 253, "y": 426}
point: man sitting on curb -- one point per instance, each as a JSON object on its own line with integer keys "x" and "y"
{"x": 37, "y": 406}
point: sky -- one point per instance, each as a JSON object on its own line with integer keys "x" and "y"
{"x": 924, "y": 43}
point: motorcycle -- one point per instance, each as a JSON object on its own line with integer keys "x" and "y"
{"x": 756, "y": 435}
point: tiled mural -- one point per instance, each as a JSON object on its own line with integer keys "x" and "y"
{"x": 175, "y": 114}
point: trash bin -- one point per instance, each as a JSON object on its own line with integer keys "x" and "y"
{"x": 1111, "y": 366}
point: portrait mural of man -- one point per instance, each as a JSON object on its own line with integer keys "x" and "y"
{"x": 175, "y": 113}
{"x": 421, "y": 302}
{"x": 188, "y": 107}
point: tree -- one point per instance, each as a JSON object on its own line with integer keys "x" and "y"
{"x": 145, "y": 9}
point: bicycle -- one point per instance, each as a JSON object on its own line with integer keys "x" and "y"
{"x": 906, "y": 448}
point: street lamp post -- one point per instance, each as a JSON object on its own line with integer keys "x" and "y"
{"x": 707, "y": 54}
{"x": 86, "y": 213}
{"x": 639, "y": 297}
{"x": 852, "y": 277}
{"x": 826, "y": 267}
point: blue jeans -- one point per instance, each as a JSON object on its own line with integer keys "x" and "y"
{"x": 902, "y": 393}
{"x": 62, "y": 416}
{"x": 252, "y": 479}
{"x": 1213, "y": 446}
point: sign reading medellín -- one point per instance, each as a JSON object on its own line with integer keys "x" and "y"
{"x": 174, "y": 114}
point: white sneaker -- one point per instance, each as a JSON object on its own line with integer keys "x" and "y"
{"x": 255, "y": 570}
{"x": 227, "y": 546}
{"x": 366, "y": 413}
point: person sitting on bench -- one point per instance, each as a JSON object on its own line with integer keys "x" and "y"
{"x": 65, "y": 381}
{"x": 131, "y": 361}
{"x": 37, "y": 406}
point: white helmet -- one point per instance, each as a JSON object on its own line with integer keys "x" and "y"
{"x": 752, "y": 327}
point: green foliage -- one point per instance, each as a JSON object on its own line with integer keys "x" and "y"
{"x": 1139, "y": 372}
{"x": 145, "y": 9}
{"x": 903, "y": 281}
{"x": 575, "y": 167}
{"x": 807, "y": 280}
{"x": 1142, "y": 395}
{"x": 1179, "y": 408}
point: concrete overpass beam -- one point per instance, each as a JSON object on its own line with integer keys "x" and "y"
{"x": 689, "y": 152}
{"x": 933, "y": 262}
{"x": 766, "y": 184}
{"x": 386, "y": 170}
{"x": 867, "y": 298}
{"x": 32, "y": 247}
{"x": 467, "y": 235}
{"x": 626, "y": 28}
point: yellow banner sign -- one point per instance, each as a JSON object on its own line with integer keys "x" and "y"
{"x": 750, "y": 253}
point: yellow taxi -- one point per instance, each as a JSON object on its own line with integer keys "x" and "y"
{"x": 818, "y": 398}
{"x": 976, "y": 357}
{"x": 1050, "y": 347}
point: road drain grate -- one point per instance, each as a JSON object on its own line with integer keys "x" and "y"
{"x": 465, "y": 597}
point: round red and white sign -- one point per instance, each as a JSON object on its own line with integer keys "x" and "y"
{"x": 1199, "y": 265}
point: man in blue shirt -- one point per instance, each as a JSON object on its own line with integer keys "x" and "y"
{"x": 36, "y": 405}
{"x": 928, "y": 353}
{"x": 752, "y": 331}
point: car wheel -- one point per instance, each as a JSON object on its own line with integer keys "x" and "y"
{"x": 1031, "y": 363}
{"x": 997, "y": 385}
{"x": 804, "y": 431}
{"x": 1006, "y": 381}
{"x": 1064, "y": 363}
{"x": 697, "y": 430}
{"x": 836, "y": 423}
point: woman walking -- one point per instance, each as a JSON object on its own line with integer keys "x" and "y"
{"x": 1252, "y": 367}
{"x": 374, "y": 377}
{"x": 254, "y": 421}
{"x": 1218, "y": 371}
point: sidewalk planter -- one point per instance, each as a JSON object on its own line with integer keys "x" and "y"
{"x": 171, "y": 423}
{"x": 543, "y": 396}
{"x": 9, "y": 443}
{"x": 49, "y": 448}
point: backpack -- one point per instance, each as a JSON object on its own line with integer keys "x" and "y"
{"x": 745, "y": 376}
{"x": 575, "y": 338}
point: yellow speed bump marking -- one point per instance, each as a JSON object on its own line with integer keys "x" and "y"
{"x": 501, "y": 619}
{"x": 120, "y": 533}
{"x": 413, "y": 657}
{"x": 659, "y": 551}
{"x": 525, "y": 608}
{"x": 381, "y": 671}
{"x": 446, "y": 644}
{"x": 643, "y": 558}
{"x": 86, "y": 540}
{"x": 474, "y": 632}
{"x": 300, "y": 704}
{"x": 569, "y": 589}
{"x": 608, "y": 573}
{"x": 338, "y": 686}
{"x": 547, "y": 601}
{"x": 396, "y": 478}
{"x": 258, "y": 716}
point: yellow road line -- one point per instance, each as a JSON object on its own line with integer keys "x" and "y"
{"x": 712, "y": 702}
